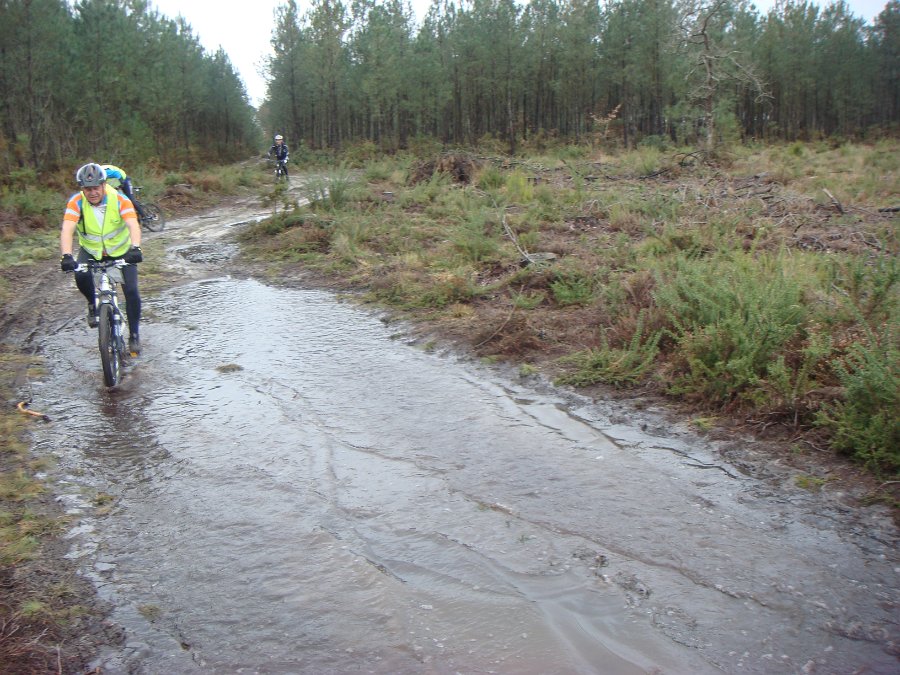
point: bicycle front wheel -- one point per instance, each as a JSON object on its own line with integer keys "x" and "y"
{"x": 154, "y": 219}
{"x": 110, "y": 346}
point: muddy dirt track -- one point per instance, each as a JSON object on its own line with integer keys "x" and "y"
{"x": 293, "y": 485}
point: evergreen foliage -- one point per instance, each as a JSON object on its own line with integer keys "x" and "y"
{"x": 112, "y": 80}
{"x": 508, "y": 74}
{"x": 501, "y": 73}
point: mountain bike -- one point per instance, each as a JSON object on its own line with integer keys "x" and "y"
{"x": 153, "y": 218}
{"x": 111, "y": 336}
{"x": 280, "y": 170}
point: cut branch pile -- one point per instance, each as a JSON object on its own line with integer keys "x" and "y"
{"x": 461, "y": 168}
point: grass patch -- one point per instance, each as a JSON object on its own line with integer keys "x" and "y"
{"x": 41, "y": 246}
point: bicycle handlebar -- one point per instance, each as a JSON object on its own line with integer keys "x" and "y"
{"x": 95, "y": 265}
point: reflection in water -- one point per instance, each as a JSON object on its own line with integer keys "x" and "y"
{"x": 298, "y": 492}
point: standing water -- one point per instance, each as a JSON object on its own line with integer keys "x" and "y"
{"x": 283, "y": 485}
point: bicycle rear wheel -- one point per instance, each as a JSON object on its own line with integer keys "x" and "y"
{"x": 110, "y": 346}
{"x": 154, "y": 221}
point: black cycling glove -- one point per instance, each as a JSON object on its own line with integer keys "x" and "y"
{"x": 67, "y": 263}
{"x": 134, "y": 255}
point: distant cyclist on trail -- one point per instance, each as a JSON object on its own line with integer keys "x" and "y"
{"x": 107, "y": 229}
{"x": 280, "y": 150}
{"x": 115, "y": 173}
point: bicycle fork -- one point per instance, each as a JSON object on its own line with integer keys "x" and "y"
{"x": 107, "y": 296}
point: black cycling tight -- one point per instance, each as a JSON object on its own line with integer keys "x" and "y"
{"x": 85, "y": 283}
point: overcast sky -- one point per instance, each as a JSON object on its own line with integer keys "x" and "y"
{"x": 243, "y": 29}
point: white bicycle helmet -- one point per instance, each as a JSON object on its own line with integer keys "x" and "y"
{"x": 279, "y": 137}
{"x": 90, "y": 175}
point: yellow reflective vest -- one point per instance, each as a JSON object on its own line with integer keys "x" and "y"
{"x": 110, "y": 238}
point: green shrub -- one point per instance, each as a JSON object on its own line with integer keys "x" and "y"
{"x": 518, "y": 189}
{"x": 447, "y": 289}
{"x": 572, "y": 288}
{"x": 345, "y": 247}
{"x": 657, "y": 142}
{"x": 277, "y": 224}
{"x": 866, "y": 423}
{"x": 360, "y": 153}
{"x": 426, "y": 191}
{"x": 377, "y": 171}
{"x": 267, "y": 227}
{"x": 616, "y": 366}
{"x": 330, "y": 191}
{"x": 528, "y": 300}
{"x": 571, "y": 152}
{"x": 340, "y": 183}
{"x": 675, "y": 240}
{"x": 235, "y": 176}
{"x": 424, "y": 146}
{"x": 883, "y": 158}
{"x": 788, "y": 384}
{"x": 490, "y": 178}
{"x": 728, "y": 318}
{"x": 867, "y": 288}
{"x": 644, "y": 161}
{"x": 544, "y": 195}
{"x": 22, "y": 178}
{"x": 529, "y": 240}
{"x": 471, "y": 241}
{"x": 38, "y": 203}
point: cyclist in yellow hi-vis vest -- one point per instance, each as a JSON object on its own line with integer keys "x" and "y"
{"x": 107, "y": 228}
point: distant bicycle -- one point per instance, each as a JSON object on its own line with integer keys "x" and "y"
{"x": 111, "y": 336}
{"x": 153, "y": 218}
{"x": 280, "y": 171}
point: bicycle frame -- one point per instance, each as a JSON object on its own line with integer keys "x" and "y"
{"x": 152, "y": 219}
{"x": 107, "y": 276}
{"x": 280, "y": 171}
{"x": 135, "y": 190}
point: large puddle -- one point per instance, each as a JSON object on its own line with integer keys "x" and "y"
{"x": 282, "y": 484}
